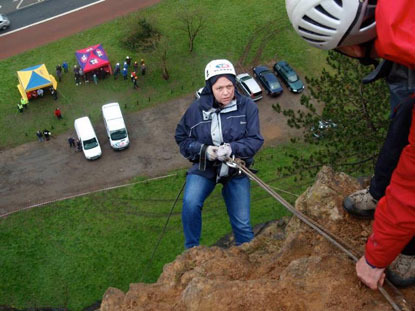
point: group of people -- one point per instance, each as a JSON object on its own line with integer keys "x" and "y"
{"x": 82, "y": 77}
{"x": 124, "y": 71}
{"x": 43, "y": 135}
{"x": 223, "y": 124}
{"x": 23, "y": 104}
{"x": 75, "y": 143}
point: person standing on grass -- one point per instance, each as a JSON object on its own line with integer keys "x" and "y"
{"x": 53, "y": 92}
{"x": 58, "y": 113}
{"x": 220, "y": 124}
{"x": 77, "y": 75}
{"x": 134, "y": 79}
{"x": 143, "y": 68}
{"x": 124, "y": 73}
{"x": 39, "y": 135}
{"x": 24, "y": 103}
{"x": 47, "y": 134}
{"x": 116, "y": 71}
{"x": 20, "y": 107}
{"x": 65, "y": 66}
{"x": 59, "y": 72}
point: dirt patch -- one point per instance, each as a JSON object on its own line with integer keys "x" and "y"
{"x": 39, "y": 172}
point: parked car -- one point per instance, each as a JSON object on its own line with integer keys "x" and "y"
{"x": 289, "y": 76}
{"x": 4, "y": 22}
{"x": 88, "y": 138}
{"x": 199, "y": 92}
{"x": 249, "y": 86}
{"x": 268, "y": 80}
{"x": 115, "y": 126}
{"x": 323, "y": 126}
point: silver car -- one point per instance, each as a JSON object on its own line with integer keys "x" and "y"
{"x": 249, "y": 86}
{"x": 4, "y": 22}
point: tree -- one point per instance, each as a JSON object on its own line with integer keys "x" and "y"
{"x": 161, "y": 52}
{"x": 356, "y": 118}
{"x": 141, "y": 36}
{"x": 192, "y": 21}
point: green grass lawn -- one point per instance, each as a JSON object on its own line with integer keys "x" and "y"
{"x": 67, "y": 254}
{"x": 230, "y": 26}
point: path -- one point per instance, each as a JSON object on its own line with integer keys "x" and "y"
{"x": 37, "y": 172}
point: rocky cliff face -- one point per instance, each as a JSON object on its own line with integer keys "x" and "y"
{"x": 286, "y": 267}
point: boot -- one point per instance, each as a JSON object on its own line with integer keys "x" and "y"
{"x": 401, "y": 271}
{"x": 360, "y": 204}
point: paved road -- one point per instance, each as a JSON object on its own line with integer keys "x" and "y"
{"x": 27, "y": 12}
{"x": 17, "y": 42}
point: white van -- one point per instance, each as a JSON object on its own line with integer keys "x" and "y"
{"x": 89, "y": 141}
{"x": 115, "y": 126}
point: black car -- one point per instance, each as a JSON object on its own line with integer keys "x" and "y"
{"x": 289, "y": 76}
{"x": 268, "y": 80}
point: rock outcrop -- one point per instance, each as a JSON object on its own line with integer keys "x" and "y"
{"x": 286, "y": 267}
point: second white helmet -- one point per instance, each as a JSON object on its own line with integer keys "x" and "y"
{"x": 328, "y": 24}
{"x": 219, "y": 67}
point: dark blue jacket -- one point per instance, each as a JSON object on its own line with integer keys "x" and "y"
{"x": 240, "y": 128}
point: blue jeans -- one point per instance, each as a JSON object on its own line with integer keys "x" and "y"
{"x": 236, "y": 193}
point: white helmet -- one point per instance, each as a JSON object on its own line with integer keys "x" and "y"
{"x": 219, "y": 67}
{"x": 328, "y": 24}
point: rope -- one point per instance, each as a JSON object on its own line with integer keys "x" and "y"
{"x": 162, "y": 234}
{"x": 329, "y": 236}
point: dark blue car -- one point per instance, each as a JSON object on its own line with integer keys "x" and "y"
{"x": 268, "y": 80}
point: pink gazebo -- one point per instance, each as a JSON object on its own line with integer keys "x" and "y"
{"x": 92, "y": 58}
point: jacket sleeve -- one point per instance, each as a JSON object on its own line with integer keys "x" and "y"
{"x": 394, "y": 224}
{"x": 394, "y": 25}
{"x": 249, "y": 145}
{"x": 190, "y": 148}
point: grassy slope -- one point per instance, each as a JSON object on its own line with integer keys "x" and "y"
{"x": 69, "y": 253}
{"x": 229, "y": 27}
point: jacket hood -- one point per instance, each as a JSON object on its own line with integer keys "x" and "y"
{"x": 207, "y": 100}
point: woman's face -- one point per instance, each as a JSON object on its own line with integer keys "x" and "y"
{"x": 223, "y": 90}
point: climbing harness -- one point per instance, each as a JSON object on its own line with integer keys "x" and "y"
{"x": 240, "y": 165}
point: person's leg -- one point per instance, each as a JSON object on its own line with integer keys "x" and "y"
{"x": 363, "y": 202}
{"x": 236, "y": 193}
{"x": 196, "y": 191}
{"x": 396, "y": 139}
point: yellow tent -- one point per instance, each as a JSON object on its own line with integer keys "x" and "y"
{"x": 33, "y": 78}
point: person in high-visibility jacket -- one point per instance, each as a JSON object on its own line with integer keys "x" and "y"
{"x": 24, "y": 102}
